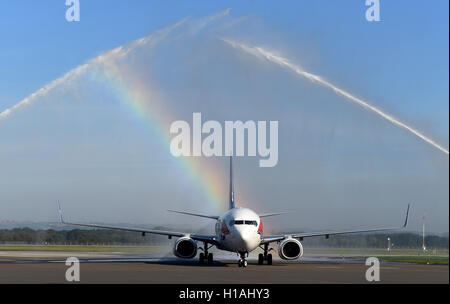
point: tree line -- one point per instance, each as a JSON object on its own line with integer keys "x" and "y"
{"x": 397, "y": 240}
{"x": 77, "y": 237}
{"x": 114, "y": 237}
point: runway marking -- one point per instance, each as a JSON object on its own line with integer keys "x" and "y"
{"x": 330, "y": 267}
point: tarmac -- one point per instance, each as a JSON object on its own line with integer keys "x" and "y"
{"x": 116, "y": 269}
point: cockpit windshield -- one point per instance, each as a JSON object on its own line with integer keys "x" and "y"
{"x": 244, "y": 222}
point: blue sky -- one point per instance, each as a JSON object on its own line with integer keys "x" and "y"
{"x": 400, "y": 64}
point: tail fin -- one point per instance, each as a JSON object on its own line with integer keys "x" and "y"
{"x": 231, "y": 202}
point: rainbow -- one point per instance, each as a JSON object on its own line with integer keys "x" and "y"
{"x": 148, "y": 106}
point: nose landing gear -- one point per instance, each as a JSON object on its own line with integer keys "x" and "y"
{"x": 242, "y": 261}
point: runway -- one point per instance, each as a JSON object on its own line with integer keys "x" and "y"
{"x": 171, "y": 270}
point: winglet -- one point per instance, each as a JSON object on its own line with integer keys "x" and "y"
{"x": 61, "y": 219}
{"x": 406, "y": 220}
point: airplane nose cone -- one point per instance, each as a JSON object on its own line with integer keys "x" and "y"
{"x": 245, "y": 240}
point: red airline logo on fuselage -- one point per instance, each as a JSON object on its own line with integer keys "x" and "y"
{"x": 260, "y": 228}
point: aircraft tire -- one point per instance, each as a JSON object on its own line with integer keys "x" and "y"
{"x": 260, "y": 259}
{"x": 210, "y": 258}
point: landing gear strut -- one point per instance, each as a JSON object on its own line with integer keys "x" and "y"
{"x": 266, "y": 256}
{"x": 205, "y": 255}
{"x": 242, "y": 261}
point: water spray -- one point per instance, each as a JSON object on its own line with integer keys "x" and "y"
{"x": 285, "y": 63}
{"x": 112, "y": 55}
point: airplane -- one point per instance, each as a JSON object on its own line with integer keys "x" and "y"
{"x": 239, "y": 230}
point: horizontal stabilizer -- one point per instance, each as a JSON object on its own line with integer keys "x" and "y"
{"x": 271, "y": 214}
{"x": 195, "y": 214}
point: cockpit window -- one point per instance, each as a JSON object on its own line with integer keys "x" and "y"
{"x": 243, "y": 222}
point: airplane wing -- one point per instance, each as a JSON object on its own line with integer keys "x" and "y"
{"x": 277, "y": 238}
{"x": 203, "y": 238}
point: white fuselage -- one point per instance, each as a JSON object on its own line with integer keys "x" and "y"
{"x": 239, "y": 230}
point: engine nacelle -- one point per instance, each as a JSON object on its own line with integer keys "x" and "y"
{"x": 185, "y": 248}
{"x": 290, "y": 249}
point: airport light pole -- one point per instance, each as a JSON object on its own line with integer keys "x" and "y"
{"x": 423, "y": 233}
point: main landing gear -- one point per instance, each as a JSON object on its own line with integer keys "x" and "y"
{"x": 242, "y": 261}
{"x": 205, "y": 255}
{"x": 266, "y": 256}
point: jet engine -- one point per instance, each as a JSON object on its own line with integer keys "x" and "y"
{"x": 185, "y": 248}
{"x": 290, "y": 249}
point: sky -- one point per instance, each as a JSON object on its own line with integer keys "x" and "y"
{"x": 88, "y": 144}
